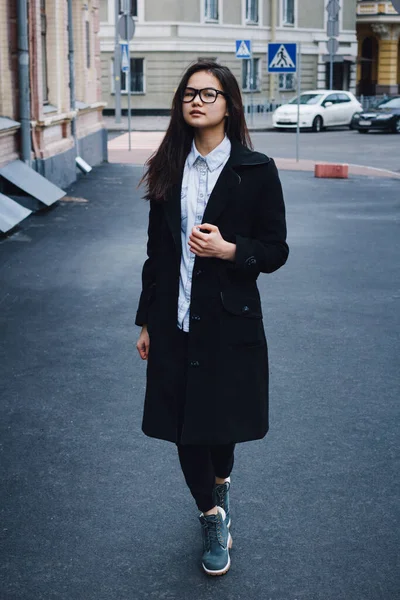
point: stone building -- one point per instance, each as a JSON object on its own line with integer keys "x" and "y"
{"x": 51, "y": 140}
{"x": 378, "y": 32}
{"x": 171, "y": 34}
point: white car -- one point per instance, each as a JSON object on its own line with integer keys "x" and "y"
{"x": 318, "y": 109}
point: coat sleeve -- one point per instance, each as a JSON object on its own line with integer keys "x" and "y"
{"x": 267, "y": 250}
{"x": 149, "y": 267}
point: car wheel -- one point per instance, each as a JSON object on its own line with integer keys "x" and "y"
{"x": 363, "y": 130}
{"x": 317, "y": 124}
{"x": 396, "y": 126}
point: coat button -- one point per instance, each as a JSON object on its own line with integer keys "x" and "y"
{"x": 245, "y": 309}
{"x": 251, "y": 261}
{"x": 196, "y": 318}
{"x": 198, "y": 272}
{"x": 194, "y": 363}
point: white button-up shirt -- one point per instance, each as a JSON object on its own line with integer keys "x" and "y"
{"x": 199, "y": 178}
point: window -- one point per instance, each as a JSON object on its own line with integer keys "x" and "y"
{"x": 286, "y": 81}
{"x": 251, "y": 11}
{"x": 211, "y": 10}
{"x": 392, "y": 103}
{"x": 308, "y": 99}
{"x": 288, "y": 12}
{"x": 126, "y": 4}
{"x": 343, "y": 98}
{"x": 87, "y": 32}
{"x": 137, "y": 77}
{"x": 207, "y": 59}
{"x": 250, "y": 80}
{"x": 331, "y": 98}
{"x": 43, "y": 37}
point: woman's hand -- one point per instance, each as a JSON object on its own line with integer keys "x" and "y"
{"x": 143, "y": 343}
{"x": 211, "y": 244}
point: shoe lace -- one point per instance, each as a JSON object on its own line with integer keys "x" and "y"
{"x": 220, "y": 491}
{"x": 213, "y": 533}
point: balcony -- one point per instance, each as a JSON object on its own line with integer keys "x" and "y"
{"x": 366, "y": 10}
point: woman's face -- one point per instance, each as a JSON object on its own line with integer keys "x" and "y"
{"x": 202, "y": 115}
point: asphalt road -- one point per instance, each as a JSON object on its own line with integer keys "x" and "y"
{"x": 375, "y": 149}
{"x": 379, "y": 150}
{"x": 91, "y": 509}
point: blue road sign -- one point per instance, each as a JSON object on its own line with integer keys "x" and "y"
{"x": 282, "y": 58}
{"x": 243, "y": 49}
{"x": 124, "y": 58}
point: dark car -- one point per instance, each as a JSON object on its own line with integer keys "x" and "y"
{"x": 385, "y": 116}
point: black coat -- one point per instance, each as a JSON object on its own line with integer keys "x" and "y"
{"x": 226, "y": 376}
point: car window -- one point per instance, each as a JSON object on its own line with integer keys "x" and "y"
{"x": 343, "y": 98}
{"x": 331, "y": 98}
{"x": 307, "y": 99}
{"x": 393, "y": 103}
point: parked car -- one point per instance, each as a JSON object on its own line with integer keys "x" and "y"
{"x": 385, "y": 116}
{"x": 318, "y": 109}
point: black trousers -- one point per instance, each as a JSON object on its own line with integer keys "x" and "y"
{"x": 201, "y": 463}
{"x": 200, "y": 466}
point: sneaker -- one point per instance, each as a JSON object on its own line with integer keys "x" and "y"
{"x": 216, "y": 543}
{"x": 221, "y": 491}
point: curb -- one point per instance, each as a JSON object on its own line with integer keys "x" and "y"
{"x": 306, "y": 165}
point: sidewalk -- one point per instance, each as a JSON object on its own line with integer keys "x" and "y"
{"x": 261, "y": 122}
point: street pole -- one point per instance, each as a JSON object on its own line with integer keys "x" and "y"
{"x": 128, "y": 75}
{"x": 251, "y": 87}
{"x": 298, "y": 102}
{"x": 117, "y": 67}
{"x": 333, "y": 8}
{"x": 72, "y": 76}
{"x": 23, "y": 80}
{"x": 274, "y": 10}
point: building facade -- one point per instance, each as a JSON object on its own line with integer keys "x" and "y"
{"x": 172, "y": 34}
{"x": 52, "y": 143}
{"x": 378, "y": 32}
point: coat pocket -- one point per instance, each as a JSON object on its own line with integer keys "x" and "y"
{"x": 241, "y": 322}
{"x": 248, "y": 307}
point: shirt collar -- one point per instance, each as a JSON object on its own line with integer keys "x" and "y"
{"x": 215, "y": 158}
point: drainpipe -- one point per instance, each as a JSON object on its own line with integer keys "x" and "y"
{"x": 274, "y": 11}
{"x": 23, "y": 80}
{"x": 83, "y": 166}
{"x": 72, "y": 75}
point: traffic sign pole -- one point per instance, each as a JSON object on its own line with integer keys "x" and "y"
{"x": 244, "y": 51}
{"x": 128, "y": 75}
{"x": 125, "y": 29}
{"x": 333, "y": 9}
{"x": 251, "y": 88}
{"x": 117, "y": 68}
{"x": 286, "y": 58}
{"x": 298, "y": 102}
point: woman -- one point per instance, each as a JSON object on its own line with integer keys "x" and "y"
{"x": 217, "y": 220}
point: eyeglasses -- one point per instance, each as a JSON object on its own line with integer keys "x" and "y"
{"x": 206, "y": 95}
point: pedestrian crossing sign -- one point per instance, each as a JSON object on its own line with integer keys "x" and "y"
{"x": 124, "y": 58}
{"x": 243, "y": 48}
{"x": 282, "y": 58}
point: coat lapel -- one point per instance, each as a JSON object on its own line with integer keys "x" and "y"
{"x": 227, "y": 182}
{"x": 221, "y": 194}
{"x": 229, "y": 179}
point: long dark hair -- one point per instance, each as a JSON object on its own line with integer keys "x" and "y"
{"x": 164, "y": 167}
